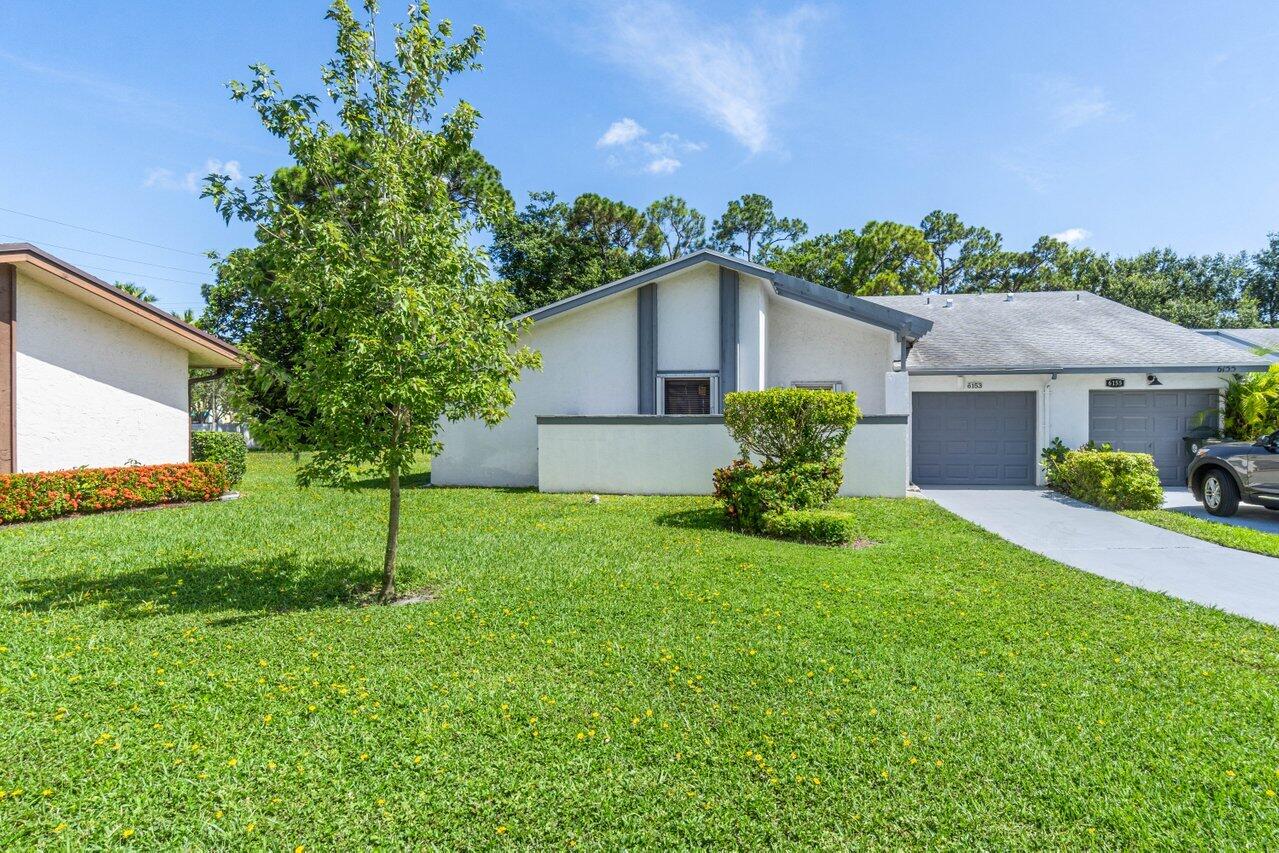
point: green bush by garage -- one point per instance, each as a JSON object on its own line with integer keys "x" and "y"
{"x": 1104, "y": 477}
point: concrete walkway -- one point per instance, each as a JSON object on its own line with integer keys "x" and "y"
{"x": 1121, "y": 549}
{"x": 1256, "y": 517}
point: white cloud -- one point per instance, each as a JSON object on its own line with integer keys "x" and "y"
{"x": 1073, "y": 105}
{"x": 631, "y": 145}
{"x": 191, "y": 182}
{"x": 663, "y": 166}
{"x": 735, "y": 72}
{"x": 621, "y": 132}
{"x": 1072, "y": 235}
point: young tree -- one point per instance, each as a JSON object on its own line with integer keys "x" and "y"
{"x": 750, "y": 228}
{"x": 885, "y": 259}
{"x": 682, "y": 228}
{"x": 965, "y": 254}
{"x": 400, "y": 325}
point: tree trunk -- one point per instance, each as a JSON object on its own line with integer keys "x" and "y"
{"x": 392, "y": 538}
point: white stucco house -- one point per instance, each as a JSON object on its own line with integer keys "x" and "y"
{"x": 955, "y": 390}
{"x": 90, "y": 376}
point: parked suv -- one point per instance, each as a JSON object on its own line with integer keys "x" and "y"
{"x": 1222, "y": 475}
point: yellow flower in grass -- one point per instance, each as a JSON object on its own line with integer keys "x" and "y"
{"x": 250, "y": 827}
{"x": 127, "y": 833}
{"x": 231, "y": 762}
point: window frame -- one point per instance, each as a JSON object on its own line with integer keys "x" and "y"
{"x": 713, "y": 384}
{"x": 818, "y": 384}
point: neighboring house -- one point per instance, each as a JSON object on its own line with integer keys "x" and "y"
{"x": 89, "y": 375}
{"x": 1251, "y": 340}
{"x": 634, "y": 373}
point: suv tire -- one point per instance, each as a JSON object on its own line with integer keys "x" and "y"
{"x": 1221, "y": 495}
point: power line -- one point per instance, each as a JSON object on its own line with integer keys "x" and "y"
{"x": 103, "y": 233}
{"x": 96, "y": 268}
{"x": 112, "y": 257}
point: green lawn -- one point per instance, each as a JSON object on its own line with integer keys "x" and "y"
{"x": 1243, "y": 538}
{"x": 621, "y": 674}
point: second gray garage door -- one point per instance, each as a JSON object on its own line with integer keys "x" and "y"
{"x": 1153, "y": 422}
{"x": 973, "y": 438}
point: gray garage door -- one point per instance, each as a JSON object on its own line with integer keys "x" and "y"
{"x": 971, "y": 438}
{"x": 1153, "y": 422}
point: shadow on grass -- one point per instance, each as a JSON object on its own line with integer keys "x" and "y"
{"x": 695, "y": 519}
{"x": 254, "y": 588}
{"x": 408, "y": 481}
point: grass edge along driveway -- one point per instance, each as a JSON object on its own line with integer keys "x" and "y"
{"x": 1229, "y": 535}
{"x": 620, "y": 674}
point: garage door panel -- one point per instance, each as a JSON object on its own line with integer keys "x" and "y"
{"x": 973, "y": 438}
{"x": 1152, "y": 421}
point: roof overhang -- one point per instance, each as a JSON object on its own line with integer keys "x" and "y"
{"x": 979, "y": 370}
{"x": 907, "y": 326}
{"x": 204, "y": 350}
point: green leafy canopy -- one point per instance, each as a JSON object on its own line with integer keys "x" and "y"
{"x": 399, "y": 325}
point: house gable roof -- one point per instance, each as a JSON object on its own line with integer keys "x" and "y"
{"x": 885, "y": 317}
{"x": 1247, "y": 339}
{"x": 205, "y": 350}
{"x": 1056, "y": 332}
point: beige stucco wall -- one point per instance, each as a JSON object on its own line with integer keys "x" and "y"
{"x": 807, "y": 344}
{"x": 679, "y": 459}
{"x": 93, "y": 390}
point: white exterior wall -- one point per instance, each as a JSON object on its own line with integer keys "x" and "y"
{"x": 93, "y": 390}
{"x": 590, "y": 368}
{"x": 688, "y": 321}
{"x": 752, "y": 333}
{"x": 808, "y": 344}
{"x": 679, "y": 459}
{"x": 1062, "y": 403}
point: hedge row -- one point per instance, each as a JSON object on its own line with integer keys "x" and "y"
{"x": 50, "y": 494}
{"x": 225, "y": 447}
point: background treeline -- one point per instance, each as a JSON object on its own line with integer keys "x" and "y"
{"x": 554, "y": 248}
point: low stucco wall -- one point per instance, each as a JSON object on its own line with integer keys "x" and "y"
{"x": 676, "y": 456}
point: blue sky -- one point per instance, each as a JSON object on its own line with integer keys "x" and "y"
{"x": 1122, "y": 125}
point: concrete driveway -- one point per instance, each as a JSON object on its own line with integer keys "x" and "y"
{"x": 1121, "y": 549}
{"x": 1258, "y": 518}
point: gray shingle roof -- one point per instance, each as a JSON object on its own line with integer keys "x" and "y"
{"x": 1247, "y": 339}
{"x": 1056, "y": 331}
{"x": 788, "y": 286}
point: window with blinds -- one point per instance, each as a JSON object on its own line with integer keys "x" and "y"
{"x": 686, "y": 395}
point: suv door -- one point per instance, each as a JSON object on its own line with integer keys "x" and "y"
{"x": 1263, "y": 467}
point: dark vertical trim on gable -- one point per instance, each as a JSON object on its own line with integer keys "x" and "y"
{"x": 646, "y": 349}
{"x": 727, "y": 332}
{"x": 8, "y": 367}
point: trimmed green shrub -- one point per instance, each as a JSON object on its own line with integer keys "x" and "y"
{"x": 1110, "y": 479}
{"x": 797, "y": 436}
{"x": 225, "y": 447}
{"x": 819, "y": 526}
{"x": 749, "y": 492}
{"x": 49, "y": 494}
{"x": 1051, "y": 457}
{"x": 786, "y": 426}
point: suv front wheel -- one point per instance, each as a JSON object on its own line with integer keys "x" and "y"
{"x": 1221, "y": 495}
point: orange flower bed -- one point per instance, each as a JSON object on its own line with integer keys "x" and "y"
{"x": 50, "y": 494}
